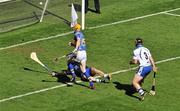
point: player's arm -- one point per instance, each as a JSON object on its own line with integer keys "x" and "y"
{"x": 78, "y": 43}
{"x": 153, "y": 64}
{"x": 134, "y": 61}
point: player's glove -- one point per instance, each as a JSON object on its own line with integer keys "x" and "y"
{"x": 70, "y": 43}
{"x": 71, "y": 55}
{"x": 131, "y": 62}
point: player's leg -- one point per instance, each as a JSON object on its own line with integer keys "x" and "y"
{"x": 136, "y": 84}
{"x": 142, "y": 72}
{"x": 98, "y": 72}
{"x": 83, "y": 66}
{"x": 86, "y": 5}
{"x": 92, "y": 73}
{"x": 97, "y": 6}
{"x": 82, "y": 58}
{"x": 89, "y": 78}
{"x": 62, "y": 73}
{"x": 72, "y": 72}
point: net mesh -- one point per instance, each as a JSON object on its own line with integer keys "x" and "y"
{"x": 21, "y": 13}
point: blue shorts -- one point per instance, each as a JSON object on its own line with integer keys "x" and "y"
{"x": 144, "y": 71}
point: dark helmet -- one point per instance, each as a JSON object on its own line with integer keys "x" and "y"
{"x": 71, "y": 56}
{"x": 138, "y": 41}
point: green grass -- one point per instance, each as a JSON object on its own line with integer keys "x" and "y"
{"x": 109, "y": 49}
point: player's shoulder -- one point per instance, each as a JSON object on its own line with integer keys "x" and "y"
{"x": 144, "y": 48}
{"x": 137, "y": 50}
{"x": 140, "y": 48}
{"x": 78, "y": 32}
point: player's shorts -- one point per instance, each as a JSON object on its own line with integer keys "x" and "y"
{"x": 81, "y": 56}
{"x": 144, "y": 71}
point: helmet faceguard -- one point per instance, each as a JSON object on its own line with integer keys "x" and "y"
{"x": 138, "y": 41}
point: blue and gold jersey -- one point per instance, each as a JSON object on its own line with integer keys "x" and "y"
{"x": 79, "y": 35}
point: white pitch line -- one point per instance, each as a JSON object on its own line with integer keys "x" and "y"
{"x": 37, "y": 40}
{"x": 132, "y": 19}
{"x": 63, "y": 85}
{"x": 158, "y": 62}
{"x": 64, "y": 34}
{"x": 34, "y": 92}
{"x": 176, "y": 15}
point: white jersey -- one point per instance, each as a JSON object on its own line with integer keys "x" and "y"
{"x": 143, "y": 55}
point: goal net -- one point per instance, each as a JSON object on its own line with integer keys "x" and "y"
{"x": 15, "y": 14}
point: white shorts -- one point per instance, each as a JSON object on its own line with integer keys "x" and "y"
{"x": 81, "y": 56}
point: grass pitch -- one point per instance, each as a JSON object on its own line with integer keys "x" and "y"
{"x": 109, "y": 49}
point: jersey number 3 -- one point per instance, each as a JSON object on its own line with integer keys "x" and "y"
{"x": 146, "y": 56}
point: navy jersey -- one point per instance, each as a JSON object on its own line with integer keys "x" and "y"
{"x": 79, "y": 35}
{"x": 76, "y": 68}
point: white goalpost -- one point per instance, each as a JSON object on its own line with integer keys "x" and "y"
{"x": 82, "y": 12}
{"x": 44, "y": 9}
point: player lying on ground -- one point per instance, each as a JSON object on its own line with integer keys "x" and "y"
{"x": 91, "y": 74}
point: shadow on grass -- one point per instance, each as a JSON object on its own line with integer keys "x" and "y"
{"x": 79, "y": 84}
{"x": 61, "y": 77}
{"x": 129, "y": 90}
{"x": 32, "y": 70}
